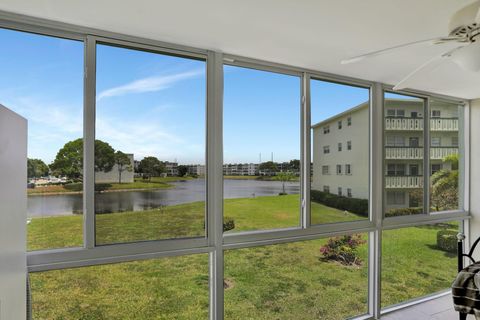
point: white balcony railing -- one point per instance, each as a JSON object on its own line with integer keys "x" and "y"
{"x": 404, "y": 182}
{"x": 403, "y": 153}
{"x": 412, "y": 153}
{"x": 416, "y": 124}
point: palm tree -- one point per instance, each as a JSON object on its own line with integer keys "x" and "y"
{"x": 445, "y": 185}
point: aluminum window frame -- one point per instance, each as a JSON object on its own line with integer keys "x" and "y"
{"x": 216, "y": 242}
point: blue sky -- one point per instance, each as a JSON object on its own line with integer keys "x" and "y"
{"x": 151, "y": 104}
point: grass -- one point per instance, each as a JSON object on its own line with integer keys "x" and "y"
{"x": 272, "y": 282}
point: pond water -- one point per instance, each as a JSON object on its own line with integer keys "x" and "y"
{"x": 184, "y": 192}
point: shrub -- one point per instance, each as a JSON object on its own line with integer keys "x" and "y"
{"x": 355, "y": 205}
{"x": 228, "y": 224}
{"x": 403, "y": 212}
{"x": 99, "y": 187}
{"x": 74, "y": 186}
{"x": 447, "y": 240}
{"x": 343, "y": 249}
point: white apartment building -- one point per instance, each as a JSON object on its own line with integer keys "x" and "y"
{"x": 340, "y": 150}
{"x": 240, "y": 169}
{"x": 171, "y": 168}
{"x": 196, "y": 169}
{"x": 113, "y": 175}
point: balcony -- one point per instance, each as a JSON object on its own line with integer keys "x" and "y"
{"x": 416, "y": 124}
{"x": 416, "y": 153}
{"x": 396, "y": 182}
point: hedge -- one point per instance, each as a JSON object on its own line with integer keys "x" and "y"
{"x": 447, "y": 240}
{"x": 404, "y": 212}
{"x": 354, "y": 205}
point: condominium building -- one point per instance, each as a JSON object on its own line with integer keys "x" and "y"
{"x": 340, "y": 150}
{"x": 196, "y": 169}
{"x": 240, "y": 169}
{"x": 171, "y": 168}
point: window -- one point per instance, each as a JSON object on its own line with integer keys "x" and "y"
{"x": 436, "y": 142}
{"x": 326, "y": 129}
{"x": 273, "y": 144}
{"x": 326, "y": 189}
{"x": 454, "y": 141}
{"x": 340, "y": 191}
{"x": 131, "y": 290}
{"x": 276, "y": 282}
{"x": 349, "y": 192}
{"x": 143, "y": 202}
{"x": 326, "y": 149}
{"x": 395, "y": 113}
{"x": 403, "y": 189}
{"x": 396, "y": 169}
{"x": 445, "y": 193}
{"x": 395, "y": 197}
{"x": 436, "y": 167}
{"x": 42, "y": 80}
{"x": 325, "y": 170}
{"x": 348, "y": 169}
{"x": 395, "y": 141}
{"x": 435, "y": 113}
{"x": 391, "y": 113}
{"x": 329, "y": 101}
{"x": 413, "y": 252}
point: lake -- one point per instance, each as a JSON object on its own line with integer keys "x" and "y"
{"x": 184, "y": 192}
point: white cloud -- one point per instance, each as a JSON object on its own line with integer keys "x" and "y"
{"x": 149, "y": 84}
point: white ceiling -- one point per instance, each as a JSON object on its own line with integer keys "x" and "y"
{"x": 315, "y": 34}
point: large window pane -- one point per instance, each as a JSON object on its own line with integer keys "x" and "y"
{"x": 340, "y": 152}
{"x": 42, "y": 80}
{"x": 168, "y": 288}
{"x": 404, "y": 122}
{"x": 150, "y": 147}
{"x": 261, "y": 149}
{"x": 297, "y": 281}
{"x": 445, "y": 159}
{"x": 418, "y": 261}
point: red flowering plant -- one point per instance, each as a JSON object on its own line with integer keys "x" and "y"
{"x": 343, "y": 249}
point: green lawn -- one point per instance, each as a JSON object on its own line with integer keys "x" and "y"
{"x": 275, "y": 282}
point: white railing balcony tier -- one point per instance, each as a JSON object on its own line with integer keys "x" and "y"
{"x": 406, "y": 153}
{"x": 437, "y": 153}
{"x": 416, "y": 153}
{"x": 416, "y": 124}
{"x": 398, "y": 182}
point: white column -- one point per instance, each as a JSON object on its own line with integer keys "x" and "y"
{"x": 475, "y": 171}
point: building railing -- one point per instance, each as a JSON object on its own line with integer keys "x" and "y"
{"x": 416, "y": 153}
{"x": 395, "y": 182}
{"x": 416, "y": 124}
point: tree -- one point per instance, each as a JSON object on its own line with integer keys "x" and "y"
{"x": 295, "y": 165}
{"x": 151, "y": 167}
{"x": 182, "y": 170}
{"x": 69, "y": 159}
{"x": 36, "y": 168}
{"x": 284, "y": 177}
{"x": 123, "y": 164}
{"x": 445, "y": 185}
{"x": 269, "y": 167}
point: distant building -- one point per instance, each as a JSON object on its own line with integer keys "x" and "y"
{"x": 240, "y": 169}
{"x": 196, "y": 169}
{"x": 112, "y": 175}
{"x": 341, "y": 150}
{"x": 171, "y": 168}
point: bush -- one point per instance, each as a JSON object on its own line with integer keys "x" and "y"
{"x": 74, "y": 186}
{"x": 99, "y": 187}
{"x": 354, "y": 205}
{"x": 447, "y": 240}
{"x": 403, "y": 212}
{"x": 343, "y": 249}
{"x": 228, "y": 224}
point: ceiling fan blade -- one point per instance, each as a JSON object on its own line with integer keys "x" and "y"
{"x": 429, "y": 65}
{"x": 439, "y": 40}
{"x": 477, "y": 17}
